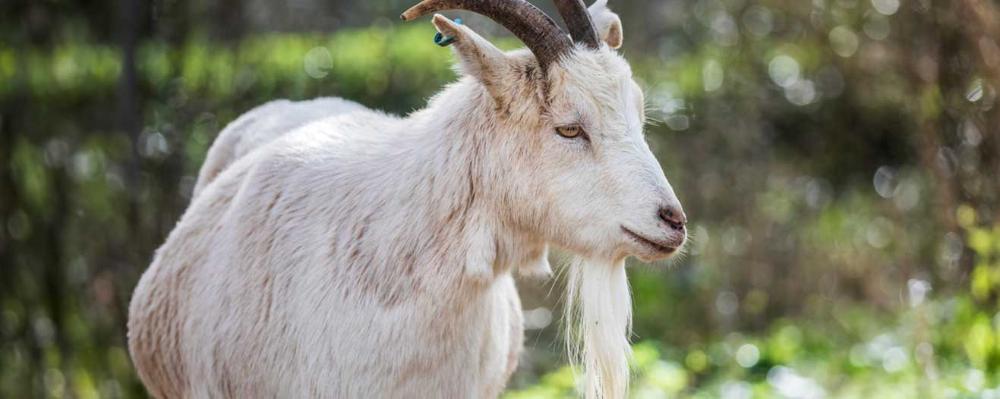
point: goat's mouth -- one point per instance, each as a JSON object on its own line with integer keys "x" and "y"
{"x": 658, "y": 247}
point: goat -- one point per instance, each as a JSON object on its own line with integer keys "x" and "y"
{"x": 350, "y": 253}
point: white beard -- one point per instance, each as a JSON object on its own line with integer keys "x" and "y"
{"x": 598, "y": 324}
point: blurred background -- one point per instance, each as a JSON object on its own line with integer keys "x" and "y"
{"x": 839, "y": 160}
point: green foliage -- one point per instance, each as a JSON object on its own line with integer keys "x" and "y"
{"x": 362, "y": 64}
{"x": 982, "y": 338}
{"x": 913, "y": 355}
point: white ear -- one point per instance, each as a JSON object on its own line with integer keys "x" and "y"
{"x": 608, "y": 25}
{"x": 477, "y": 56}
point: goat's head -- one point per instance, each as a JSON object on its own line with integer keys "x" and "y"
{"x": 567, "y": 121}
{"x": 584, "y": 177}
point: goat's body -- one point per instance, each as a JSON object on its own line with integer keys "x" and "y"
{"x": 330, "y": 261}
{"x": 331, "y": 251}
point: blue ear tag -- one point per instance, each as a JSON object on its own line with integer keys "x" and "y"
{"x": 444, "y": 41}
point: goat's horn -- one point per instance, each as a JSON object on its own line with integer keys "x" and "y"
{"x": 539, "y": 32}
{"x": 581, "y": 28}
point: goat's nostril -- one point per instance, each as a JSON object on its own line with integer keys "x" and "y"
{"x": 673, "y": 217}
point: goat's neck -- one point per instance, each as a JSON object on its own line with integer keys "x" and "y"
{"x": 459, "y": 163}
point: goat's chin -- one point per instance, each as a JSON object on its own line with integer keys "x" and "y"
{"x": 598, "y": 316}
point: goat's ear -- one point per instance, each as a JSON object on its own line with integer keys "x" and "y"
{"x": 608, "y": 25}
{"x": 477, "y": 56}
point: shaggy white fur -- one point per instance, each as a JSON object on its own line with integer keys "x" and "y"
{"x": 597, "y": 318}
{"x": 339, "y": 252}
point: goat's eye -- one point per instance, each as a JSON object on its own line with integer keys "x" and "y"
{"x": 570, "y": 132}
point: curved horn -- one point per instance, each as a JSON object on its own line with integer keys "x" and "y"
{"x": 577, "y": 18}
{"x": 539, "y": 32}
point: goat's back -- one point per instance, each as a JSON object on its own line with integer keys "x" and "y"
{"x": 262, "y": 125}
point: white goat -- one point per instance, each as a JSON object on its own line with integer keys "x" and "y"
{"x": 363, "y": 255}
